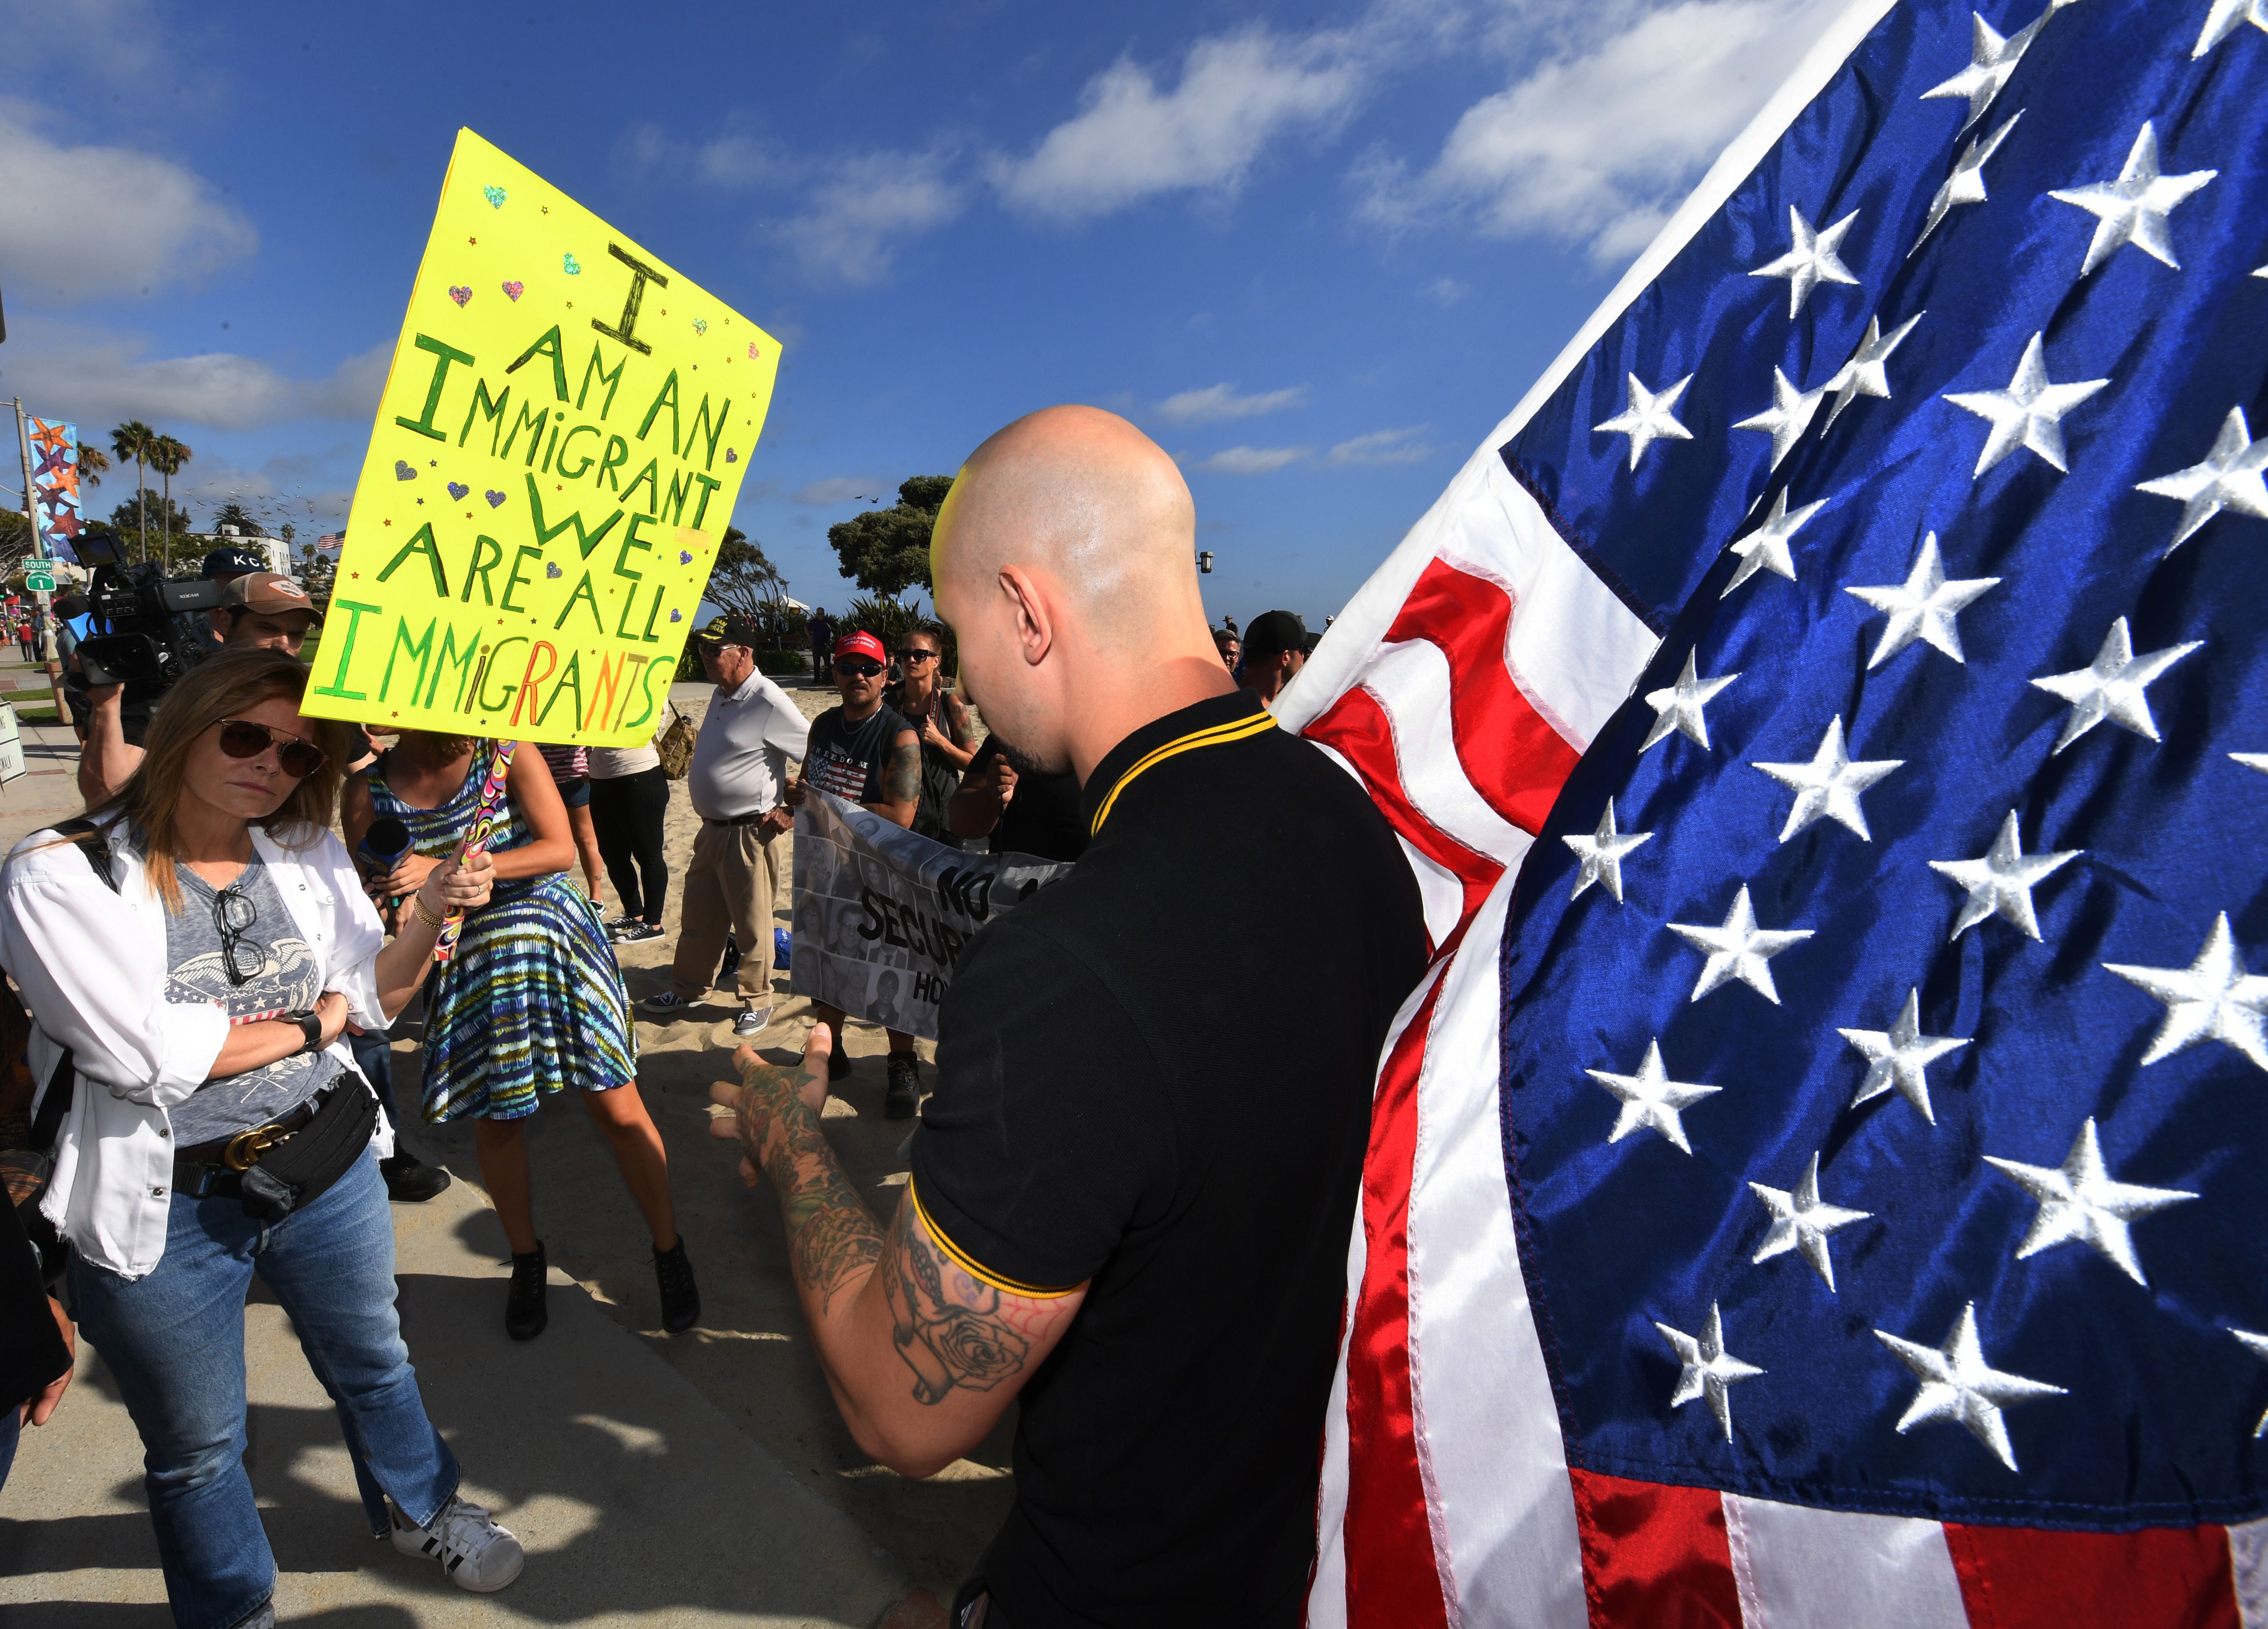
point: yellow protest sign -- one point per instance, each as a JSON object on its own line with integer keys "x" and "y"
{"x": 563, "y": 432}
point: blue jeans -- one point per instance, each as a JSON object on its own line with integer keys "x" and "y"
{"x": 175, "y": 1341}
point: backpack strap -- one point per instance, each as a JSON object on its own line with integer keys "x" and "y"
{"x": 93, "y": 841}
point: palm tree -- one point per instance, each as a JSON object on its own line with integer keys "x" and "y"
{"x": 134, "y": 440}
{"x": 94, "y": 464}
{"x": 166, "y": 457}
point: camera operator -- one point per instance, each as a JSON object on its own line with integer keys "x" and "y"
{"x": 260, "y": 609}
{"x": 200, "y": 952}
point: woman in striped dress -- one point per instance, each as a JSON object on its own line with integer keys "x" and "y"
{"x": 533, "y": 1001}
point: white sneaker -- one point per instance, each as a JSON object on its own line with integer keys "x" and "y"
{"x": 752, "y": 1021}
{"x": 475, "y": 1551}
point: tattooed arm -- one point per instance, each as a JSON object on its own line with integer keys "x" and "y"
{"x": 922, "y": 1357}
{"x": 901, "y": 779}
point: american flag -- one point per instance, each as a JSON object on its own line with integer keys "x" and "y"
{"x": 1824, "y": 1179}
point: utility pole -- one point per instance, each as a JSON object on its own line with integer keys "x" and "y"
{"x": 40, "y": 597}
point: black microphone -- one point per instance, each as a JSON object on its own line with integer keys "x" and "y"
{"x": 383, "y": 845}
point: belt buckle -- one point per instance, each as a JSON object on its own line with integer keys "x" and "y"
{"x": 244, "y": 1148}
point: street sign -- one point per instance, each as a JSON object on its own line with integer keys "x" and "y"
{"x": 39, "y": 582}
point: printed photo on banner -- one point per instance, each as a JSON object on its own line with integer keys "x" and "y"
{"x": 561, "y": 438}
{"x": 882, "y": 914}
{"x": 55, "y": 485}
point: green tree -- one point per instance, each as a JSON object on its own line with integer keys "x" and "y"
{"x": 746, "y": 583}
{"x": 315, "y": 572}
{"x": 135, "y": 440}
{"x": 94, "y": 464}
{"x": 235, "y": 514}
{"x": 166, "y": 457}
{"x": 886, "y": 551}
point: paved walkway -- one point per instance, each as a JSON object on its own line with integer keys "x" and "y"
{"x": 639, "y": 1502}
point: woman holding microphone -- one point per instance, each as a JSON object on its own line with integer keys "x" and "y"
{"x": 190, "y": 968}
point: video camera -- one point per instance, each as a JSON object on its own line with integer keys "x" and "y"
{"x": 142, "y": 642}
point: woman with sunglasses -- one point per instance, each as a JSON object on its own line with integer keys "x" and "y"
{"x": 941, "y": 720}
{"x": 531, "y": 1003}
{"x": 200, "y": 953}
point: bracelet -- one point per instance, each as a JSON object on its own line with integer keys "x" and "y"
{"x": 417, "y": 904}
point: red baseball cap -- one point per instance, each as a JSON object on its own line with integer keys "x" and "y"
{"x": 858, "y": 642}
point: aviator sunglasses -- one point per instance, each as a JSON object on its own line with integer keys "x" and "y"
{"x": 859, "y": 666}
{"x": 241, "y": 737}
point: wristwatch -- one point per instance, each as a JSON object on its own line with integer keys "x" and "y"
{"x": 310, "y": 1025}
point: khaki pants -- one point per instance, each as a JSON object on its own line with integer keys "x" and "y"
{"x": 730, "y": 885}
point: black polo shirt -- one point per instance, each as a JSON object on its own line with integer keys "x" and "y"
{"x": 1046, "y": 817}
{"x": 1154, "y": 1078}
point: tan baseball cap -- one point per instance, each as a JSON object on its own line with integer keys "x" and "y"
{"x": 269, "y": 593}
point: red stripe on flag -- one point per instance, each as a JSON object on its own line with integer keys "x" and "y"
{"x": 2159, "y": 1578}
{"x": 1654, "y": 1557}
{"x": 1391, "y": 1578}
{"x": 1356, "y": 728}
{"x": 1509, "y": 751}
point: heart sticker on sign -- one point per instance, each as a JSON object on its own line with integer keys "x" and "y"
{"x": 460, "y": 294}
{"x": 677, "y": 617}
{"x": 403, "y": 472}
{"x": 754, "y": 355}
{"x": 495, "y": 499}
{"x": 458, "y": 489}
{"x": 700, "y": 325}
{"x": 572, "y": 267}
{"x": 732, "y": 457}
{"x": 494, "y": 194}
{"x": 684, "y": 556}
{"x": 514, "y": 290}
{"x": 551, "y": 569}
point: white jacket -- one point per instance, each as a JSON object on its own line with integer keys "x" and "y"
{"x": 91, "y": 965}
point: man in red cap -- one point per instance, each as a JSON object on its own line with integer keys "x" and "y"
{"x": 864, "y": 753}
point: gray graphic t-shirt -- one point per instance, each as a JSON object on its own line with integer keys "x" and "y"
{"x": 289, "y": 978}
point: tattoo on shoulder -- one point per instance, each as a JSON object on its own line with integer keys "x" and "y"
{"x": 952, "y": 1330}
{"x": 901, "y": 771}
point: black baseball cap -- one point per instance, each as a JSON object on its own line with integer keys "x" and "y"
{"x": 1273, "y": 631}
{"x": 728, "y": 630}
{"x": 228, "y": 558}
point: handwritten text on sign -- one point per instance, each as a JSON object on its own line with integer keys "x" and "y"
{"x": 561, "y": 438}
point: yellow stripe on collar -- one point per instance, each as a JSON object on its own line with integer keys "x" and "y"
{"x": 1214, "y": 735}
{"x": 972, "y": 1267}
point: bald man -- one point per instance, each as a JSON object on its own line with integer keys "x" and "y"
{"x": 1132, "y": 1188}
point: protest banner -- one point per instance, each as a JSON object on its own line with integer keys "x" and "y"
{"x": 55, "y": 486}
{"x": 882, "y": 915}
{"x": 561, "y": 438}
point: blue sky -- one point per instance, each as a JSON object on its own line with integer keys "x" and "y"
{"x": 1317, "y": 252}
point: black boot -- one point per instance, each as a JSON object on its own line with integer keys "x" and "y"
{"x": 524, "y": 1311}
{"x": 905, "y": 1094}
{"x": 680, "y": 1298}
{"x": 408, "y": 1179}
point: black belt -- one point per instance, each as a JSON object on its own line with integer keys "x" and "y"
{"x": 214, "y": 1169}
{"x": 737, "y": 819}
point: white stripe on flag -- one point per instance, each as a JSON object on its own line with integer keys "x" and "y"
{"x": 2248, "y": 1554}
{"x": 1411, "y": 683}
{"x": 1801, "y": 1568}
{"x": 1489, "y": 1441}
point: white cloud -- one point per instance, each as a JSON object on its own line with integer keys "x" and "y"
{"x": 1383, "y": 446}
{"x": 1130, "y": 140}
{"x": 1596, "y": 146}
{"x": 1216, "y": 403}
{"x": 1444, "y": 292}
{"x": 89, "y": 221}
{"x": 1254, "y": 461}
{"x": 854, "y": 219}
{"x": 842, "y": 489}
{"x": 97, "y": 377}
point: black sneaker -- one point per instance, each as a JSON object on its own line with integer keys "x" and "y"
{"x": 732, "y": 960}
{"x": 681, "y": 1297}
{"x": 903, "y": 1096}
{"x": 621, "y": 925}
{"x": 409, "y": 1180}
{"x": 524, "y": 1311}
{"x": 637, "y": 931}
{"x": 839, "y": 1063}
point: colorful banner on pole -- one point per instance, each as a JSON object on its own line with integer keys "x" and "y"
{"x": 562, "y": 435}
{"x": 55, "y": 486}
{"x": 882, "y": 915}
